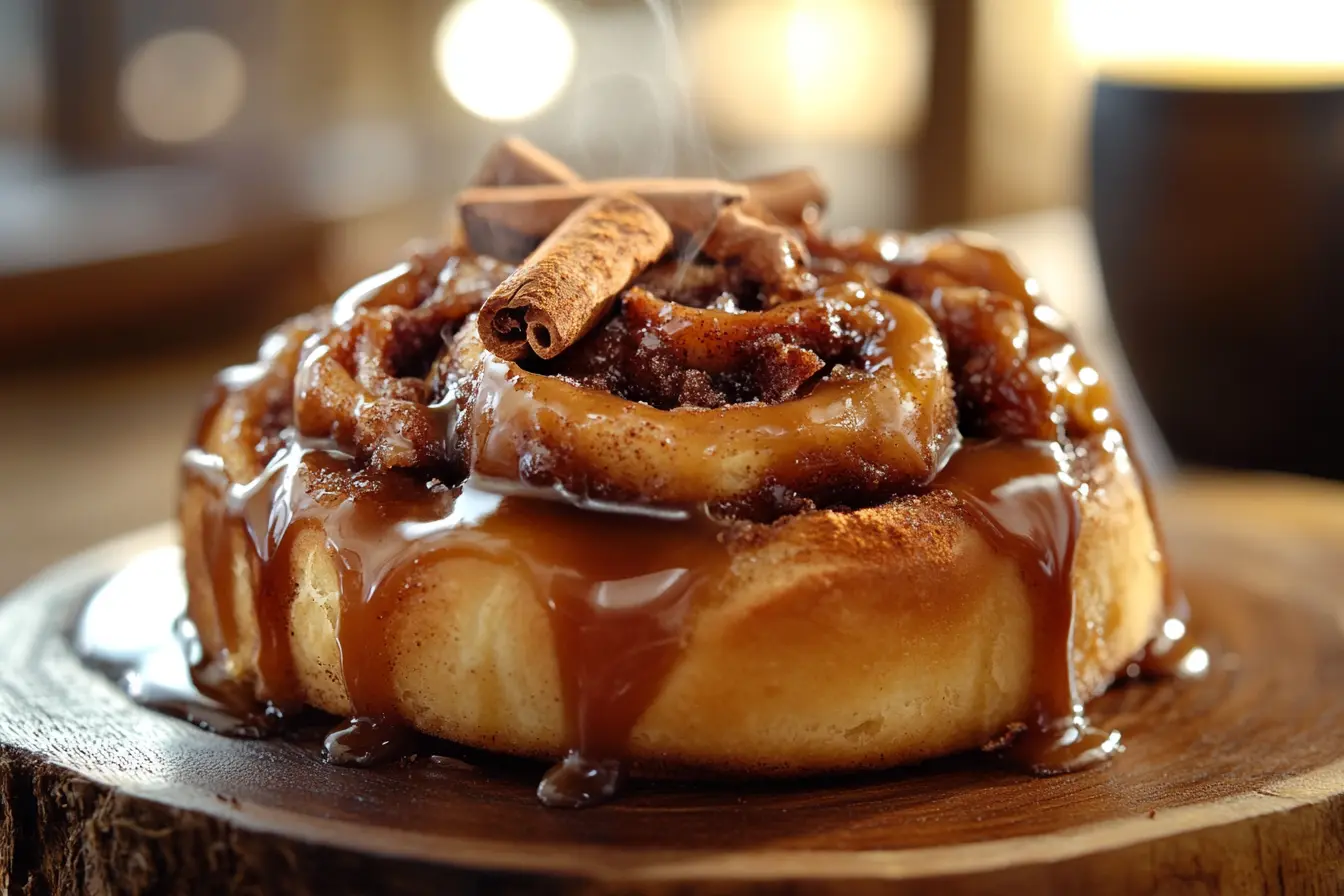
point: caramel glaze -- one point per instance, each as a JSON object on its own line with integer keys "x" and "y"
{"x": 617, "y": 594}
{"x": 1023, "y": 500}
{"x": 1020, "y": 374}
{"x": 618, "y": 589}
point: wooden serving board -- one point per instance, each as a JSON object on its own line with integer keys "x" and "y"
{"x": 1233, "y": 783}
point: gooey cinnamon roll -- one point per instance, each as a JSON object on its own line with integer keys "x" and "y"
{"x": 681, "y": 483}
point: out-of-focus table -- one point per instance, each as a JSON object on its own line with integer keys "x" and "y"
{"x": 85, "y": 456}
{"x": 89, "y": 454}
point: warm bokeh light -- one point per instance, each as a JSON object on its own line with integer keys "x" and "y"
{"x": 504, "y": 60}
{"x": 182, "y": 86}
{"x": 1214, "y": 42}
{"x": 808, "y": 69}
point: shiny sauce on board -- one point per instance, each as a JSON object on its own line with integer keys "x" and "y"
{"x": 618, "y": 583}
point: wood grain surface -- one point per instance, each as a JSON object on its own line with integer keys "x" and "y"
{"x": 1230, "y": 784}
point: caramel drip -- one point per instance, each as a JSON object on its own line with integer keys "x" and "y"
{"x": 215, "y": 547}
{"x": 366, "y": 741}
{"x": 368, "y": 545}
{"x": 204, "y": 474}
{"x": 929, "y": 262}
{"x": 1024, "y": 502}
{"x": 256, "y": 516}
{"x": 268, "y": 509}
{"x": 617, "y": 592}
{"x": 918, "y": 265}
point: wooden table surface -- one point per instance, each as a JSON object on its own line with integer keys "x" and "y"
{"x": 89, "y": 454}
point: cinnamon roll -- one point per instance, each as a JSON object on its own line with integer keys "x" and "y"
{"x": 748, "y": 498}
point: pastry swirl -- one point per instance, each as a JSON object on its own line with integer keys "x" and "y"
{"x": 863, "y": 430}
{"x": 878, "y": 415}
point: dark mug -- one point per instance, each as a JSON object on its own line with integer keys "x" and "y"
{"x": 1219, "y": 218}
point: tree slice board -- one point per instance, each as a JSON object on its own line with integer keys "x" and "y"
{"x": 1231, "y": 783}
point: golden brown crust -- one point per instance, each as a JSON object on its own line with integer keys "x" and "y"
{"x": 840, "y": 640}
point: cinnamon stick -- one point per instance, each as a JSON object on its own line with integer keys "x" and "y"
{"x": 514, "y": 161}
{"x": 786, "y": 196}
{"x": 768, "y": 253}
{"x": 565, "y": 287}
{"x": 510, "y": 222}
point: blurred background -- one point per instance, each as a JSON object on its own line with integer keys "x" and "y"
{"x": 177, "y": 176}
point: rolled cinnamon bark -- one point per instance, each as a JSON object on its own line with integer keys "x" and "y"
{"x": 768, "y": 253}
{"x": 786, "y": 195}
{"x": 514, "y": 162}
{"x": 510, "y": 222}
{"x": 565, "y": 287}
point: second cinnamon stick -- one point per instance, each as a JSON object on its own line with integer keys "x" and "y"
{"x": 565, "y": 287}
{"x": 509, "y": 222}
{"x": 770, "y": 254}
{"x": 786, "y": 196}
{"x": 514, "y": 161}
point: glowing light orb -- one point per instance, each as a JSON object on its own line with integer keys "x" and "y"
{"x": 504, "y": 60}
{"x": 182, "y": 86}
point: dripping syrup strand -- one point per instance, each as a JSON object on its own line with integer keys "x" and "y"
{"x": 257, "y": 517}
{"x": 922, "y": 263}
{"x": 616, "y": 594}
{"x": 1025, "y": 503}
